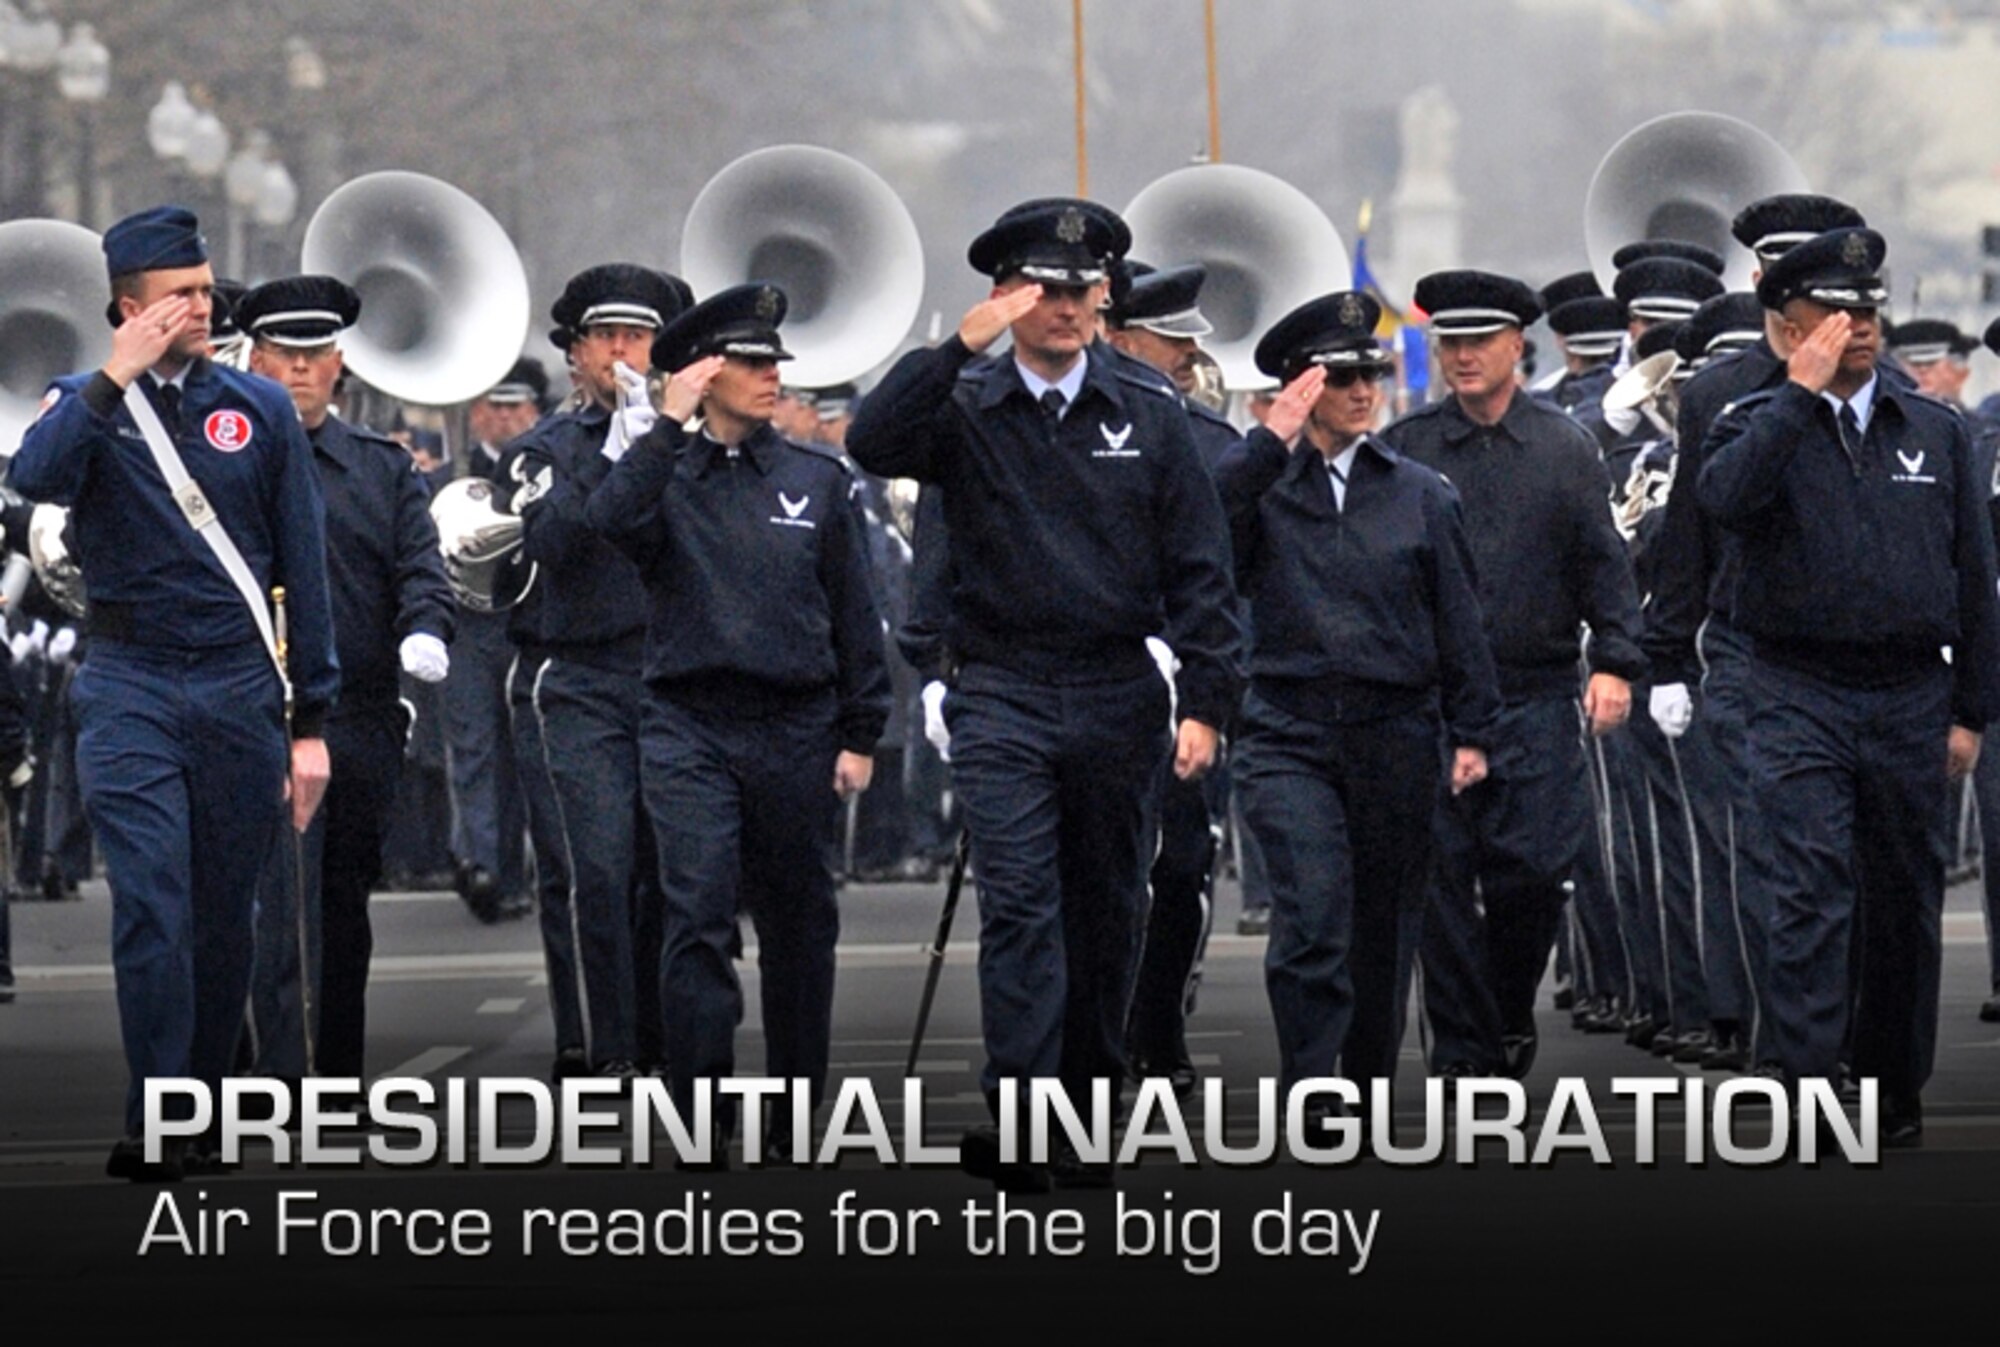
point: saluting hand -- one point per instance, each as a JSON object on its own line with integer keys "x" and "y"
{"x": 1816, "y": 360}
{"x": 1294, "y": 403}
{"x": 1607, "y": 700}
{"x": 684, "y": 390}
{"x": 142, "y": 339}
{"x": 985, "y": 321}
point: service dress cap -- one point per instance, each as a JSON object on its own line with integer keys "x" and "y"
{"x": 1841, "y": 269}
{"x": 741, "y": 321}
{"x": 298, "y": 311}
{"x": 1053, "y": 240}
{"x": 1337, "y": 331}
{"x": 1470, "y": 303}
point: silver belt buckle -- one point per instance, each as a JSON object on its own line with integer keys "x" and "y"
{"x": 188, "y": 495}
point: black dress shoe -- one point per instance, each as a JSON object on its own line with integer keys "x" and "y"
{"x": 1254, "y": 921}
{"x": 1640, "y": 1030}
{"x": 203, "y": 1157}
{"x": 1565, "y": 996}
{"x": 1728, "y": 1053}
{"x": 718, "y": 1157}
{"x": 1517, "y": 1054}
{"x": 1989, "y": 1009}
{"x": 979, "y": 1156}
{"x": 1599, "y": 1015}
{"x": 128, "y": 1161}
{"x": 569, "y": 1062}
{"x": 1902, "y": 1124}
{"x": 1694, "y": 1046}
{"x": 1070, "y": 1170}
{"x": 481, "y": 892}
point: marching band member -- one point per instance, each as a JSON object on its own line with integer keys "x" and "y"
{"x": 392, "y": 610}
{"x": 182, "y": 745}
{"x": 1159, "y": 321}
{"x": 581, "y": 642}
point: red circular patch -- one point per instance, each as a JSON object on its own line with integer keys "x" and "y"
{"x": 227, "y": 431}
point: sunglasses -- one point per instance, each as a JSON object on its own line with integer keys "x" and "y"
{"x": 1344, "y": 376}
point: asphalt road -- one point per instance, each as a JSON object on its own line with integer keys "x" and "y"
{"x": 1626, "y": 1251}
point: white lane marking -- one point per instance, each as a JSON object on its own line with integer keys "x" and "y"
{"x": 426, "y": 1062}
{"x": 502, "y": 1005}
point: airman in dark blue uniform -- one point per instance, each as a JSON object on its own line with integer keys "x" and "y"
{"x": 392, "y": 611}
{"x": 1081, "y": 523}
{"x": 1549, "y": 560}
{"x": 1697, "y": 655}
{"x": 182, "y": 747}
{"x": 766, "y": 683}
{"x": 1159, "y": 321}
{"x": 489, "y": 807}
{"x": 1987, "y": 774}
{"x": 1589, "y": 327}
{"x": 1371, "y": 687}
{"x": 1866, "y": 587}
{"x": 582, "y": 646}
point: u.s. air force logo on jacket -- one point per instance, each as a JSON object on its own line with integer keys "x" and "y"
{"x": 793, "y": 512}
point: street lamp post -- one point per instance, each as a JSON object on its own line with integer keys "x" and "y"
{"x": 167, "y": 129}
{"x": 277, "y": 203}
{"x": 83, "y": 73}
{"x": 33, "y": 39}
{"x": 207, "y": 154}
{"x": 242, "y": 182}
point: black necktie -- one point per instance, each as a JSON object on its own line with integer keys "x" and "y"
{"x": 1850, "y": 430}
{"x": 170, "y": 409}
{"x": 1053, "y": 403}
{"x": 1340, "y": 491}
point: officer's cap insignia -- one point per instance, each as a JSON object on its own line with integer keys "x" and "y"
{"x": 1350, "y": 311}
{"x": 1854, "y": 251}
{"x": 1069, "y": 226}
{"x": 767, "y": 304}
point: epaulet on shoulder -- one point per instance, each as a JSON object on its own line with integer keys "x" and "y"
{"x": 1203, "y": 412}
{"x": 825, "y": 451}
{"x": 1956, "y": 412}
{"x": 1136, "y": 375}
{"x": 1747, "y": 401}
{"x": 366, "y": 435}
{"x": 977, "y": 368}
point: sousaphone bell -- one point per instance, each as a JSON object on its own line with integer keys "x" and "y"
{"x": 1266, "y": 246}
{"x": 1683, "y": 176}
{"x": 830, "y": 233}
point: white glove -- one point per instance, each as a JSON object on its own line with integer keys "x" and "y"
{"x": 38, "y": 637}
{"x": 17, "y": 646}
{"x": 45, "y": 541}
{"x": 635, "y": 413}
{"x": 1624, "y": 420}
{"x": 934, "y": 727}
{"x": 1672, "y": 709}
{"x": 1169, "y": 664}
{"x": 424, "y": 657}
{"x": 62, "y": 644}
